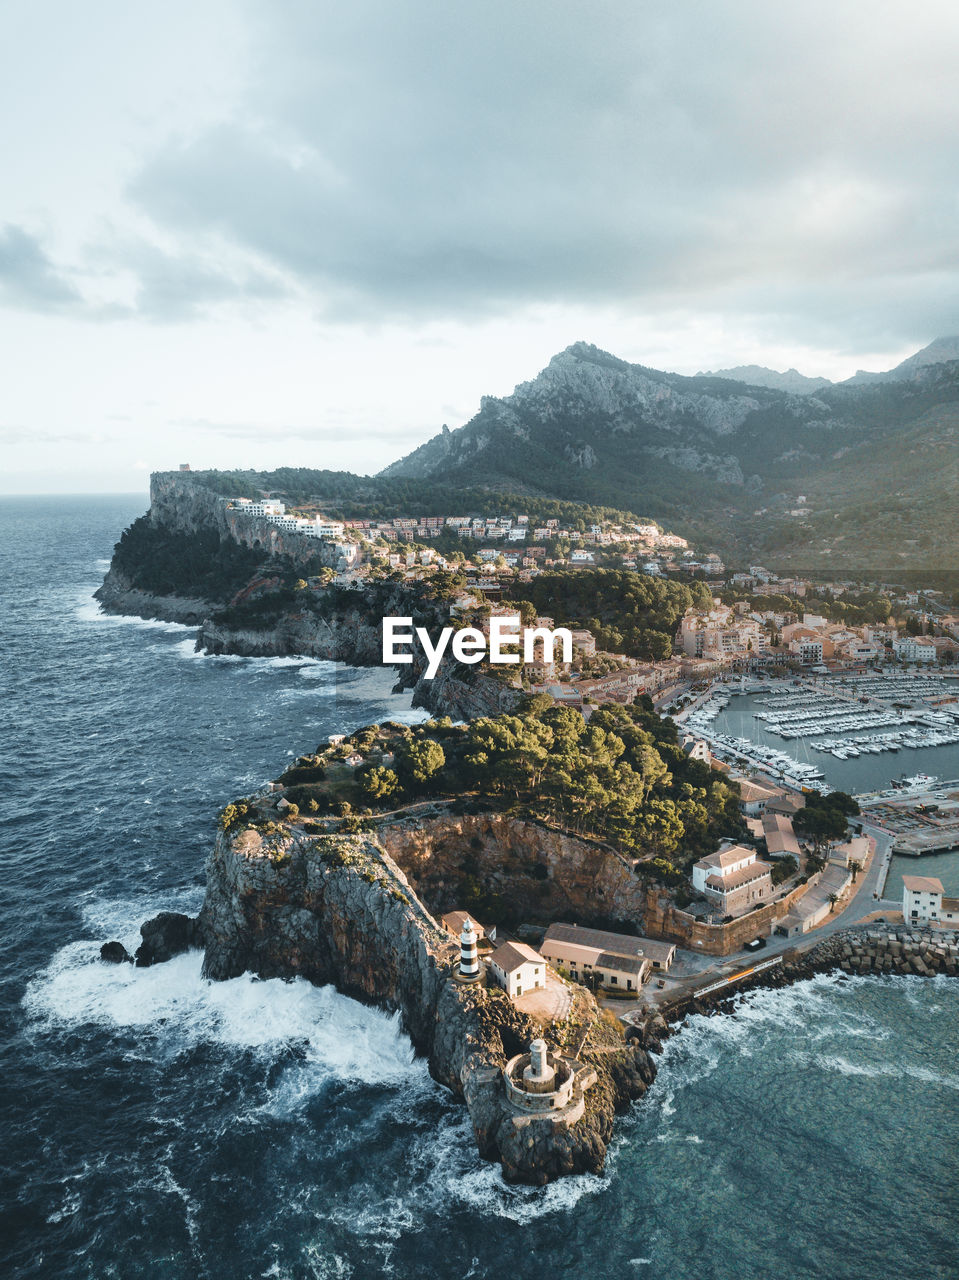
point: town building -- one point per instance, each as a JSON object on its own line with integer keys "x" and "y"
{"x": 912, "y": 649}
{"x": 923, "y": 902}
{"x": 780, "y": 837}
{"x": 616, "y": 961}
{"x": 734, "y": 880}
{"x": 755, "y": 796}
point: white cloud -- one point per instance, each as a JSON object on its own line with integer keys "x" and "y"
{"x": 321, "y": 230}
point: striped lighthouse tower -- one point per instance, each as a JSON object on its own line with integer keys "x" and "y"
{"x": 469, "y": 956}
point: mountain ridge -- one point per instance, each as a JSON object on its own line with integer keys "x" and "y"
{"x": 713, "y": 455}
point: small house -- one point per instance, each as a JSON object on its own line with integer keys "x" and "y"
{"x": 517, "y": 968}
{"x": 453, "y": 923}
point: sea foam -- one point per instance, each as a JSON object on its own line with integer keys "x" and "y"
{"x": 172, "y": 1007}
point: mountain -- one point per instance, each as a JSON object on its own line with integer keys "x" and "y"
{"x": 940, "y": 351}
{"x": 756, "y": 375}
{"x": 726, "y": 462}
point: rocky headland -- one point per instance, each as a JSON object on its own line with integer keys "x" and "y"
{"x": 286, "y": 900}
{"x": 337, "y": 909}
{"x": 339, "y": 626}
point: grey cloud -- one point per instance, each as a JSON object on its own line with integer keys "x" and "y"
{"x": 28, "y": 278}
{"x": 179, "y": 284}
{"x": 462, "y": 160}
{"x": 175, "y": 287}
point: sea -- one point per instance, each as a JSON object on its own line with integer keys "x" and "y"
{"x": 154, "y": 1124}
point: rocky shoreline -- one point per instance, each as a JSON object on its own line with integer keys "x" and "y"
{"x": 462, "y": 693}
{"x": 282, "y": 902}
{"x": 337, "y": 909}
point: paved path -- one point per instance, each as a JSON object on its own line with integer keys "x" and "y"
{"x": 696, "y": 971}
{"x": 551, "y": 1002}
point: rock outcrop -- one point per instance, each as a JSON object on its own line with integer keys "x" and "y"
{"x": 542, "y": 873}
{"x": 340, "y": 626}
{"x": 167, "y": 935}
{"x": 336, "y": 909}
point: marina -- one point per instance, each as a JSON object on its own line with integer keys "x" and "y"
{"x": 854, "y": 733}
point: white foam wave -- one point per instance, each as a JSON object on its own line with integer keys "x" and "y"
{"x": 120, "y": 918}
{"x": 305, "y": 666}
{"x": 481, "y": 1187}
{"x": 175, "y": 1008}
{"x": 876, "y": 1070}
{"x": 88, "y": 610}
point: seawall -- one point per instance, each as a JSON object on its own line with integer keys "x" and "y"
{"x": 862, "y": 950}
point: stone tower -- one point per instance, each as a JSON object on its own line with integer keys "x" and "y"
{"x": 539, "y": 1076}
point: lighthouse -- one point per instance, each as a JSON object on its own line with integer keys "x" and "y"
{"x": 469, "y": 956}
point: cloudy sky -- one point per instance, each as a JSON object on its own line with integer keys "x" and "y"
{"x": 264, "y": 232}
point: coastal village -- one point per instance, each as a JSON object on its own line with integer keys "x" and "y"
{"x": 783, "y": 880}
{"x": 586, "y": 852}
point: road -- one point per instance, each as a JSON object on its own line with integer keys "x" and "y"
{"x": 691, "y": 972}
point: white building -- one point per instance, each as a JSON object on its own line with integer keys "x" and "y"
{"x": 923, "y": 902}
{"x": 517, "y": 968}
{"x": 808, "y": 651}
{"x": 912, "y": 649}
{"x": 697, "y": 749}
{"x": 328, "y": 528}
{"x": 266, "y": 507}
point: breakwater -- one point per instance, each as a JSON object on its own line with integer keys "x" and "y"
{"x": 877, "y": 950}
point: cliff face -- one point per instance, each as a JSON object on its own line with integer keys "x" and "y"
{"x": 337, "y": 909}
{"x": 349, "y": 632}
{"x": 457, "y": 691}
{"x": 180, "y": 504}
{"x": 542, "y": 872}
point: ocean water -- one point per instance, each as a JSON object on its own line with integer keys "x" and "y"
{"x": 154, "y": 1124}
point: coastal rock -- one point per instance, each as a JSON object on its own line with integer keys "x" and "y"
{"x": 338, "y": 909}
{"x": 118, "y": 595}
{"x": 165, "y": 936}
{"x": 115, "y": 953}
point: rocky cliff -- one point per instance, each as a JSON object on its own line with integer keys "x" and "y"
{"x": 336, "y": 624}
{"x": 538, "y": 872}
{"x": 339, "y": 910}
{"x": 179, "y": 505}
